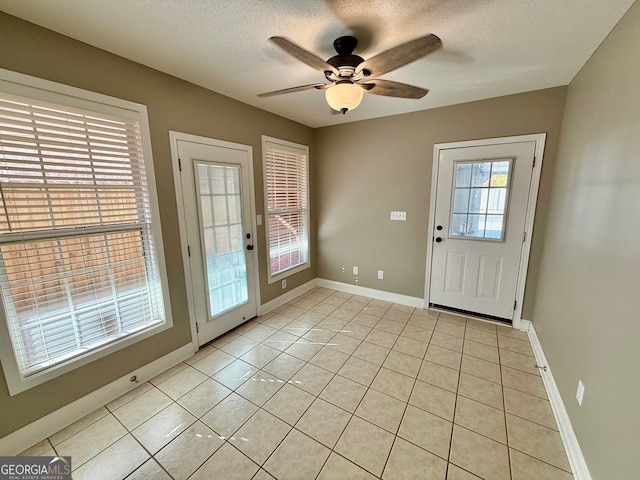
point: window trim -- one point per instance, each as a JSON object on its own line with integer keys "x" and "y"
{"x": 303, "y": 266}
{"x": 48, "y": 91}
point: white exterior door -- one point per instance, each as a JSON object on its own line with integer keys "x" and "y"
{"x": 482, "y": 194}
{"x": 217, "y": 196}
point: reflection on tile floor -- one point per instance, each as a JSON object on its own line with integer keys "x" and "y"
{"x": 332, "y": 386}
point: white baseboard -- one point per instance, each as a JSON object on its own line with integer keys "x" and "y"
{"x": 35, "y": 432}
{"x": 286, "y": 297}
{"x": 525, "y": 325}
{"x": 373, "y": 293}
{"x": 569, "y": 439}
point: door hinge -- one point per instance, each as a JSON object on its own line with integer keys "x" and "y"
{"x": 534, "y": 161}
{"x": 179, "y": 164}
{"x": 197, "y": 328}
{"x": 524, "y": 237}
{"x": 515, "y": 304}
{"x": 188, "y": 250}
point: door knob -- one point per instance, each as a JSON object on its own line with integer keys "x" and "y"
{"x": 438, "y": 239}
{"x": 249, "y": 247}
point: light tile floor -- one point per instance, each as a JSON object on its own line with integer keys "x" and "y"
{"x": 332, "y": 386}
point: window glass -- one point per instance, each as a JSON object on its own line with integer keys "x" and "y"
{"x": 480, "y": 199}
{"x": 78, "y": 261}
{"x": 286, "y": 192}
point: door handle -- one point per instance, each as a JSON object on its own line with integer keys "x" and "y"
{"x": 438, "y": 239}
{"x": 249, "y": 247}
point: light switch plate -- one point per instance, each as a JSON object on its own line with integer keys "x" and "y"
{"x": 258, "y": 219}
{"x": 401, "y": 216}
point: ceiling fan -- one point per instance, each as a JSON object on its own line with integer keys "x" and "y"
{"x": 351, "y": 75}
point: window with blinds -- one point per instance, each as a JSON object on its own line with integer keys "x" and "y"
{"x": 287, "y": 201}
{"x": 78, "y": 256}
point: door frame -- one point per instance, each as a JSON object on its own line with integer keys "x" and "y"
{"x": 174, "y": 137}
{"x": 540, "y": 139}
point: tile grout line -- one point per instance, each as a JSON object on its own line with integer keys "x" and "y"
{"x": 258, "y": 407}
{"x": 335, "y": 374}
{"x": 151, "y": 456}
{"x": 261, "y": 466}
{"x": 352, "y": 414}
{"x": 455, "y": 405}
{"x": 504, "y": 409}
{"x": 360, "y": 402}
{"x": 406, "y": 407}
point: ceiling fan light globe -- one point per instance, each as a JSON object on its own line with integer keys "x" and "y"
{"x": 343, "y": 96}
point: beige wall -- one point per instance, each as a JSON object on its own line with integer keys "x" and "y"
{"x": 172, "y": 105}
{"x": 587, "y": 309}
{"x": 363, "y": 170}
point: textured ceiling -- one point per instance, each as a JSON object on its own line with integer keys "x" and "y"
{"x": 490, "y": 47}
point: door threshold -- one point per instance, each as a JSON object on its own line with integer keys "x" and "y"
{"x": 474, "y": 315}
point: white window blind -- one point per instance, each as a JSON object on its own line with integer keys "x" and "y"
{"x": 286, "y": 190}
{"x": 78, "y": 263}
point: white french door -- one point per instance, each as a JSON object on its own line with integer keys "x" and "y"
{"x": 217, "y": 195}
{"x": 482, "y": 202}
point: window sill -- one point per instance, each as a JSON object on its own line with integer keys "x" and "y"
{"x": 287, "y": 273}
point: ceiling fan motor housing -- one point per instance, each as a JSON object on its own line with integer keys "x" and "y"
{"x": 345, "y": 61}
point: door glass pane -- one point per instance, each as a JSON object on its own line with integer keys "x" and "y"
{"x": 463, "y": 175}
{"x": 459, "y": 225}
{"x": 203, "y": 181}
{"x": 499, "y": 174}
{"x": 461, "y": 200}
{"x": 480, "y": 199}
{"x": 493, "y": 226}
{"x": 475, "y": 226}
{"x": 497, "y": 198}
{"x": 234, "y": 211}
{"x": 221, "y": 225}
{"x": 207, "y": 216}
{"x": 480, "y": 174}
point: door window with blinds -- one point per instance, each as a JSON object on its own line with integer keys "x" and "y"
{"x": 286, "y": 179}
{"x": 79, "y": 246}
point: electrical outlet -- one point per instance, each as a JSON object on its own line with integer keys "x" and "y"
{"x": 380, "y": 275}
{"x": 580, "y": 392}
{"x": 284, "y": 283}
{"x": 355, "y": 270}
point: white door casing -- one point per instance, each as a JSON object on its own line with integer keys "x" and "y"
{"x": 219, "y": 250}
{"x": 483, "y": 275}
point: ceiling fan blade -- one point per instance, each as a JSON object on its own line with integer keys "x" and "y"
{"x": 317, "y": 86}
{"x": 303, "y": 55}
{"x": 398, "y": 56}
{"x": 393, "y": 89}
